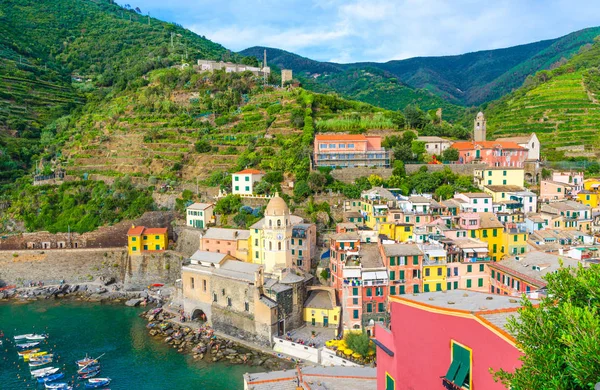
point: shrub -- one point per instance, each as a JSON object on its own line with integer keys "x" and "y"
{"x": 202, "y": 147}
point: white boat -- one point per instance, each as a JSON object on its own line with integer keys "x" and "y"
{"x": 23, "y": 336}
{"x": 28, "y": 345}
{"x": 44, "y": 371}
{"x": 37, "y": 337}
{"x": 58, "y": 386}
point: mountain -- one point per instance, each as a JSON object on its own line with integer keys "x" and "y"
{"x": 561, "y": 105}
{"x": 46, "y": 45}
{"x": 467, "y": 79}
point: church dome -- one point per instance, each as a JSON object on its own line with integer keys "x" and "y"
{"x": 480, "y": 114}
{"x": 277, "y": 207}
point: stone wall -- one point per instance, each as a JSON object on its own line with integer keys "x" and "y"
{"x": 348, "y": 175}
{"x": 461, "y": 169}
{"x": 238, "y": 325}
{"x": 188, "y": 240}
{"x": 104, "y": 237}
{"x": 140, "y": 271}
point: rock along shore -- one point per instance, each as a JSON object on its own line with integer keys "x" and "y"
{"x": 204, "y": 345}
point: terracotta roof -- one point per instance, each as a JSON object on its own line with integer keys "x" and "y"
{"x": 465, "y": 145}
{"x": 340, "y": 137}
{"x": 155, "y": 231}
{"x": 519, "y": 140}
{"x": 248, "y": 172}
{"x": 135, "y": 231}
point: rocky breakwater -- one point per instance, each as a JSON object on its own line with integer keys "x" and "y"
{"x": 101, "y": 290}
{"x": 201, "y": 342}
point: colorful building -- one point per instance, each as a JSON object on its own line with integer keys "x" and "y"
{"x": 575, "y": 179}
{"x": 234, "y": 242}
{"x": 491, "y": 153}
{"x": 345, "y": 150}
{"x": 199, "y": 215}
{"x": 529, "y": 142}
{"x": 475, "y": 202}
{"x": 589, "y": 198}
{"x": 397, "y": 231}
{"x": 434, "y": 268}
{"x": 487, "y": 228}
{"x": 505, "y": 176}
{"x": 303, "y": 245}
{"x": 571, "y": 214}
{"x": 446, "y": 340}
{"x": 435, "y": 145}
{"x": 554, "y": 190}
{"x": 321, "y": 308}
{"x": 404, "y": 264}
{"x": 141, "y": 239}
{"x": 243, "y": 182}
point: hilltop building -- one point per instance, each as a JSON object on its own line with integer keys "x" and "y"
{"x": 435, "y": 145}
{"x": 199, "y": 215}
{"x": 529, "y": 142}
{"x": 349, "y": 151}
{"x": 141, "y": 239}
{"x": 491, "y": 153}
{"x": 414, "y": 354}
{"x": 286, "y": 75}
{"x": 230, "y": 67}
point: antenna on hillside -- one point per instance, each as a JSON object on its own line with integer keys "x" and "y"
{"x": 265, "y": 67}
{"x": 148, "y": 18}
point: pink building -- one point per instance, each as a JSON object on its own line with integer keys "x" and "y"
{"x": 344, "y": 150}
{"x": 492, "y": 153}
{"x": 574, "y": 179}
{"x": 446, "y": 340}
{"x": 554, "y": 190}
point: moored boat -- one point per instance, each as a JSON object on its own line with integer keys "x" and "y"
{"x": 28, "y": 351}
{"x": 40, "y": 362}
{"x": 88, "y": 369}
{"x": 95, "y": 383}
{"x": 58, "y": 386}
{"x": 41, "y": 372}
{"x": 87, "y": 361}
{"x": 22, "y": 336}
{"x": 51, "y": 378}
{"x": 28, "y": 345}
{"x": 33, "y": 359}
{"x": 36, "y": 354}
{"x": 90, "y": 374}
{"x": 37, "y": 337}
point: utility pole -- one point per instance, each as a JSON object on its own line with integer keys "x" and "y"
{"x": 148, "y": 18}
{"x": 265, "y": 67}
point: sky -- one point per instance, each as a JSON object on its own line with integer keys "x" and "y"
{"x": 376, "y": 30}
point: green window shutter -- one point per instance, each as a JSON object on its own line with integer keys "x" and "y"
{"x": 463, "y": 356}
{"x": 402, "y": 275}
{"x": 369, "y": 308}
{"x": 456, "y": 285}
{"x": 380, "y": 307}
{"x": 468, "y": 283}
{"x": 495, "y": 233}
{"x": 402, "y": 290}
{"x": 469, "y": 268}
{"x": 494, "y": 248}
{"x": 355, "y": 314}
{"x": 418, "y": 219}
{"x": 472, "y": 233}
{"x": 355, "y": 291}
{"x": 369, "y": 292}
{"x": 480, "y": 282}
{"x": 393, "y": 290}
{"x": 493, "y": 274}
{"x": 415, "y": 260}
{"x": 416, "y": 288}
{"x": 392, "y": 275}
{"x": 426, "y": 287}
{"x": 481, "y": 267}
{"x": 237, "y": 188}
{"x": 515, "y": 238}
{"x": 392, "y": 260}
{"x": 452, "y": 370}
{"x": 449, "y": 286}
{"x": 299, "y": 252}
{"x": 292, "y": 241}
{"x": 438, "y": 287}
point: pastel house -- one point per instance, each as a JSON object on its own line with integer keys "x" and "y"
{"x": 243, "y": 182}
{"x": 141, "y": 239}
{"x": 199, "y": 215}
{"x": 348, "y": 151}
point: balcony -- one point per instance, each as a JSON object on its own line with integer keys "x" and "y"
{"x": 434, "y": 261}
{"x": 476, "y": 259}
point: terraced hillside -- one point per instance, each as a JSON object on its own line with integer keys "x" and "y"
{"x": 561, "y": 106}
{"x": 562, "y": 112}
{"x": 185, "y": 126}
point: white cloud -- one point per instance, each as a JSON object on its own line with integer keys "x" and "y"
{"x": 378, "y": 30}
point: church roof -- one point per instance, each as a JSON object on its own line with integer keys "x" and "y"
{"x": 277, "y": 207}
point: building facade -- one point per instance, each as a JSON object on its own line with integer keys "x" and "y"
{"x": 200, "y": 215}
{"x": 491, "y": 153}
{"x": 348, "y": 151}
{"x": 234, "y": 242}
{"x": 141, "y": 239}
{"x": 243, "y": 182}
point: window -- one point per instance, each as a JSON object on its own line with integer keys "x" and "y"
{"x": 355, "y": 314}
{"x": 247, "y": 188}
{"x": 133, "y": 239}
{"x": 355, "y": 301}
{"x": 426, "y": 287}
{"x": 228, "y": 302}
{"x": 503, "y": 182}
{"x": 455, "y": 271}
{"x": 455, "y": 285}
{"x": 369, "y": 308}
{"x": 503, "y": 173}
{"x": 145, "y": 237}
{"x": 468, "y": 283}
{"x": 204, "y": 285}
{"x": 355, "y": 291}
{"x": 439, "y": 271}
{"x": 481, "y": 267}
{"x": 402, "y": 290}
{"x": 156, "y": 237}
{"x": 393, "y": 290}
{"x": 369, "y": 292}
{"x": 379, "y": 291}
{"x": 223, "y": 292}
{"x": 133, "y": 248}
{"x": 493, "y": 274}
{"x": 237, "y": 188}
{"x": 350, "y": 146}
{"x": 459, "y": 372}
{"x": 392, "y": 260}
{"x": 480, "y": 282}
{"x": 416, "y": 288}
{"x": 256, "y": 254}
{"x": 427, "y": 271}
{"x": 236, "y": 178}
{"x": 380, "y": 307}
{"x": 494, "y": 233}
{"x": 246, "y": 306}
{"x": 300, "y": 252}
{"x": 214, "y": 297}
{"x": 402, "y": 275}
{"x": 247, "y": 178}
{"x": 392, "y": 275}
{"x": 469, "y": 268}
{"x": 449, "y": 286}
{"x": 415, "y": 260}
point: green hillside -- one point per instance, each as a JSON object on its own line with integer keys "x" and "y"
{"x": 44, "y": 43}
{"x": 561, "y": 106}
{"x": 466, "y": 79}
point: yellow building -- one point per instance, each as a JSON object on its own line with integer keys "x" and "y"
{"x": 491, "y": 231}
{"x": 499, "y": 176}
{"x": 515, "y": 240}
{"x": 589, "y": 198}
{"x": 591, "y": 184}
{"x": 501, "y": 193}
{"x": 375, "y": 214}
{"x": 321, "y": 308}
{"x": 141, "y": 239}
{"x": 434, "y": 269}
{"x": 400, "y": 232}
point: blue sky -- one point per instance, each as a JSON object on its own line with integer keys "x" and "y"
{"x": 376, "y": 30}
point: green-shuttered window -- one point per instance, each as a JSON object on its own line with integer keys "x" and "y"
{"x": 415, "y": 260}
{"x": 469, "y": 268}
{"x": 390, "y": 383}
{"x": 392, "y": 260}
{"x": 468, "y": 283}
{"x": 392, "y": 275}
{"x": 459, "y": 372}
{"x": 402, "y": 290}
{"x": 393, "y": 290}
{"x": 355, "y": 291}
{"x": 481, "y": 267}
{"x": 480, "y": 282}
{"x": 402, "y": 275}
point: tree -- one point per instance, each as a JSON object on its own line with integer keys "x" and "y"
{"x": 559, "y": 337}
{"x": 403, "y": 152}
{"x": 415, "y": 117}
{"x": 316, "y": 181}
{"x": 399, "y": 169}
{"x": 301, "y": 190}
{"x": 444, "y": 192}
{"x": 202, "y": 146}
{"x": 359, "y": 342}
{"x": 546, "y": 173}
{"x": 375, "y": 180}
{"x": 228, "y": 205}
{"x": 450, "y": 154}
{"x": 418, "y": 149}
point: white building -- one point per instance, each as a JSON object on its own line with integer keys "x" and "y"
{"x": 435, "y": 145}
{"x": 574, "y": 179}
{"x": 243, "y": 182}
{"x": 530, "y": 142}
{"x": 199, "y": 215}
{"x": 476, "y": 202}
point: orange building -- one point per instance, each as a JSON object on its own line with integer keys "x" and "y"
{"x": 344, "y": 150}
{"x": 492, "y": 153}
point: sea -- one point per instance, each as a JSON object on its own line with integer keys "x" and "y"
{"x": 130, "y": 357}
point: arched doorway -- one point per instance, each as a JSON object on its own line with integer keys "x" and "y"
{"x": 199, "y": 315}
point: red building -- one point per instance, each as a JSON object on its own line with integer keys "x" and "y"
{"x": 446, "y": 340}
{"x": 403, "y": 262}
{"x": 492, "y": 153}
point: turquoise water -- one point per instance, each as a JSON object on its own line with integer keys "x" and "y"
{"x": 133, "y": 360}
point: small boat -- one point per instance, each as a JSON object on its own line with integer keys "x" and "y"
{"x": 37, "y": 337}
{"x": 90, "y": 374}
{"x": 34, "y": 359}
{"x": 31, "y": 355}
{"x": 22, "y": 336}
{"x": 28, "y": 345}
{"x": 95, "y": 383}
{"x": 40, "y": 363}
{"x": 51, "y": 378}
{"x": 58, "y": 386}
{"x": 28, "y": 351}
{"x": 88, "y": 369}
{"x": 87, "y": 361}
{"x": 44, "y": 372}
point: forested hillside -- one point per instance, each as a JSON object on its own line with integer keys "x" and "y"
{"x": 560, "y": 105}
{"x": 466, "y": 79}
